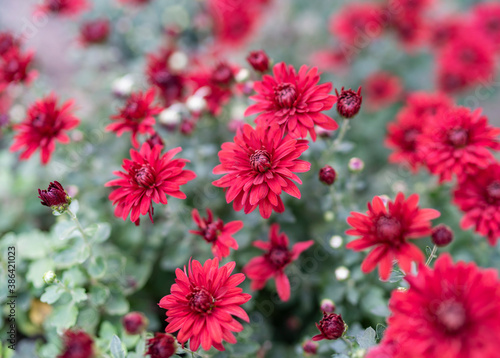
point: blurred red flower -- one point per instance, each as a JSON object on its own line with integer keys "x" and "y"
{"x": 94, "y": 32}
{"x": 479, "y": 197}
{"x": 7, "y": 42}
{"x": 258, "y": 166}
{"x": 77, "y": 344}
{"x": 149, "y": 177}
{"x": 486, "y": 19}
{"x": 217, "y": 233}
{"x": 14, "y": 68}
{"x": 356, "y": 23}
{"x": 168, "y": 81}
{"x": 465, "y": 61}
{"x": 272, "y": 264}
{"x": 293, "y": 100}
{"x": 388, "y": 231}
{"x": 456, "y": 141}
{"x": 161, "y": 346}
{"x": 64, "y": 7}
{"x": 136, "y": 116}
{"x": 381, "y": 89}
{"x": 45, "y": 124}
{"x": 202, "y": 303}
{"x": 449, "y": 311}
{"x": 218, "y": 81}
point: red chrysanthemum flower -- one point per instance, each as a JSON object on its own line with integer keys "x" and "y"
{"x": 447, "y": 29}
{"x": 217, "y": 233}
{"x": 14, "y": 68}
{"x": 410, "y": 7}
{"x": 136, "y": 116}
{"x": 202, "y": 302}
{"x": 293, "y": 100}
{"x": 258, "y": 166}
{"x": 411, "y": 30}
{"x": 356, "y": 21}
{"x": 45, "y": 124}
{"x": 388, "y": 231}
{"x": 7, "y": 42}
{"x": 465, "y": 61}
{"x": 161, "y": 346}
{"x": 219, "y": 82}
{"x": 169, "y": 82}
{"x": 456, "y": 141}
{"x": 487, "y": 21}
{"x": 451, "y": 311}
{"x": 65, "y": 7}
{"x": 381, "y": 90}
{"x": 94, "y": 32}
{"x": 479, "y": 197}
{"x": 149, "y": 177}
{"x": 410, "y": 123}
{"x": 273, "y": 263}
{"x": 77, "y": 344}
{"x": 5, "y": 104}
{"x": 234, "y": 21}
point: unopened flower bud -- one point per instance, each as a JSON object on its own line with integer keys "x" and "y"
{"x": 327, "y": 305}
{"x": 332, "y": 327}
{"x": 327, "y": 175}
{"x": 134, "y": 323}
{"x": 348, "y": 102}
{"x": 336, "y": 241}
{"x": 178, "y": 61}
{"x": 258, "y": 60}
{"x": 356, "y": 165}
{"x": 342, "y": 273}
{"x": 49, "y": 277}
{"x": 55, "y": 197}
{"x": 161, "y": 345}
{"x": 242, "y": 75}
{"x": 310, "y": 347}
{"x": 122, "y": 87}
{"x": 442, "y": 235}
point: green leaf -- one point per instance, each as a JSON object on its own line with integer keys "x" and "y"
{"x": 76, "y": 253}
{"x": 96, "y": 267}
{"x": 52, "y": 294}
{"x": 117, "y": 304}
{"x": 107, "y": 331}
{"x": 64, "y": 317}
{"x": 98, "y": 295}
{"x": 380, "y": 329}
{"x": 65, "y": 230}
{"x": 36, "y": 271}
{"x": 98, "y": 232}
{"x": 79, "y": 295}
{"x": 367, "y": 338}
{"x": 116, "y": 348}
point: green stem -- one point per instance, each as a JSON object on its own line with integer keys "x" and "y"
{"x": 348, "y": 342}
{"x": 80, "y": 228}
{"x": 431, "y": 256}
{"x": 343, "y": 130}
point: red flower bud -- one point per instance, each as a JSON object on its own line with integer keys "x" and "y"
{"x": 327, "y": 175}
{"x": 442, "y": 235}
{"x": 258, "y": 60}
{"x": 348, "y": 102}
{"x": 134, "y": 323}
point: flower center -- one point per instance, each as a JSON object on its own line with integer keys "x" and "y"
{"x": 200, "y": 300}
{"x": 213, "y": 230}
{"x": 410, "y": 139}
{"x": 458, "y": 137}
{"x": 493, "y": 190}
{"x": 144, "y": 176}
{"x": 388, "y": 228}
{"x": 451, "y": 314}
{"x": 55, "y": 5}
{"x": 279, "y": 256}
{"x": 260, "y": 160}
{"x": 222, "y": 75}
{"x": 285, "y": 94}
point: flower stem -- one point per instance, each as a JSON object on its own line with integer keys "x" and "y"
{"x": 431, "y": 256}
{"x": 343, "y": 130}
{"x": 80, "y": 228}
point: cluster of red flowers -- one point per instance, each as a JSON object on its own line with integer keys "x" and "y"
{"x": 452, "y": 141}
